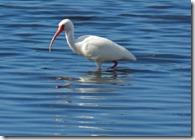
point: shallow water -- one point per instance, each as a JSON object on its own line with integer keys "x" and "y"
{"x": 59, "y": 93}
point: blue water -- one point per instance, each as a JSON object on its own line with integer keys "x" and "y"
{"x": 149, "y": 97}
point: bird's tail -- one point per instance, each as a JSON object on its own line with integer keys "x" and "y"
{"x": 132, "y": 57}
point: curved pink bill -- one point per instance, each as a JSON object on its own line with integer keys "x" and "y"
{"x": 60, "y": 29}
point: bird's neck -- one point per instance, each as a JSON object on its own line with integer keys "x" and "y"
{"x": 70, "y": 39}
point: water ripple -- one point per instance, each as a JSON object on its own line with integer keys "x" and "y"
{"x": 60, "y": 93}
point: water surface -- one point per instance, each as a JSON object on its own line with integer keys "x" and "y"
{"x": 149, "y": 97}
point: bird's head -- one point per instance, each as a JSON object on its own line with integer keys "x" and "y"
{"x": 66, "y": 25}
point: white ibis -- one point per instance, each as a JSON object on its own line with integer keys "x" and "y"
{"x": 95, "y": 48}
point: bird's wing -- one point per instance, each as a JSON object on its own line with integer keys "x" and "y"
{"x": 102, "y": 49}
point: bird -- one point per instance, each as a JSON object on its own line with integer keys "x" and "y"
{"x": 95, "y": 48}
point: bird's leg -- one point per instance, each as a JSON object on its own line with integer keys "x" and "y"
{"x": 115, "y": 64}
{"x": 99, "y": 64}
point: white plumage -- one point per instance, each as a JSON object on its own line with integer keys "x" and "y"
{"x": 95, "y": 48}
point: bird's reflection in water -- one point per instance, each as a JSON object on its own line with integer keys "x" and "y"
{"x": 80, "y": 107}
{"x": 95, "y": 81}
